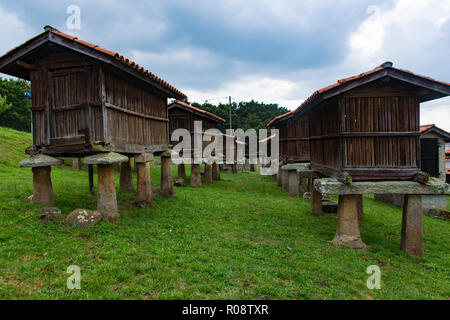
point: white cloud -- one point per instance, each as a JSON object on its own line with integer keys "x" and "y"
{"x": 246, "y": 88}
{"x": 14, "y": 31}
{"x": 404, "y": 32}
{"x": 436, "y": 112}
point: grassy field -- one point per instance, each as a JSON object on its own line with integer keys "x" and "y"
{"x": 241, "y": 238}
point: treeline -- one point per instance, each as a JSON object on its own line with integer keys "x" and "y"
{"x": 245, "y": 115}
{"x": 15, "y": 107}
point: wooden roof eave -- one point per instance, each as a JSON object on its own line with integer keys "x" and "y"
{"x": 176, "y": 105}
{"x": 112, "y": 61}
{"x": 444, "y": 134}
{"x": 440, "y": 89}
{"x": 34, "y": 43}
{"x": 278, "y": 121}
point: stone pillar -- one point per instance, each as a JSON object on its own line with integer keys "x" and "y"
{"x": 106, "y": 194}
{"x": 76, "y": 164}
{"x": 181, "y": 173}
{"x": 347, "y": 233}
{"x": 412, "y": 233}
{"x": 126, "y": 177}
{"x": 196, "y": 177}
{"x": 303, "y": 184}
{"x": 359, "y": 199}
{"x": 42, "y": 182}
{"x": 216, "y": 172}
{"x": 280, "y": 178}
{"x": 293, "y": 183}
{"x": 285, "y": 180}
{"x": 106, "y": 191}
{"x": 42, "y": 186}
{"x": 144, "y": 195}
{"x": 316, "y": 202}
{"x": 167, "y": 184}
{"x": 91, "y": 178}
{"x": 208, "y": 174}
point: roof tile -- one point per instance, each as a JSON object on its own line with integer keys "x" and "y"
{"x": 206, "y": 113}
{"x": 120, "y": 58}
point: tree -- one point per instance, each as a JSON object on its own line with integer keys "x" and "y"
{"x": 18, "y": 114}
{"x": 245, "y": 115}
{"x": 4, "y": 105}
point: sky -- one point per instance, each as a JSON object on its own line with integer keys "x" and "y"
{"x": 270, "y": 51}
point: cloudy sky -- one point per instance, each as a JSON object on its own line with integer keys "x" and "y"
{"x": 271, "y": 51}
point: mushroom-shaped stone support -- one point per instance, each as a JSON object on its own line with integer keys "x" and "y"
{"x": 167, "y": 183}
{"x": 106, "y": 194}
{"x": 144, "y": 194}
{"x": 196, "y": 178}
{"x": 42, "y": 182}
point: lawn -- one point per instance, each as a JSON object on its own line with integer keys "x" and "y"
{"x": 240, "y": 238}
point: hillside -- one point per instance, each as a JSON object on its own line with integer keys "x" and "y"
{"x": 240, "y": 238}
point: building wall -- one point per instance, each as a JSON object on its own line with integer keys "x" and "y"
{"x": 441, "y": 146}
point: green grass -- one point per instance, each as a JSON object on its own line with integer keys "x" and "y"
{"x": 242, "y": 238}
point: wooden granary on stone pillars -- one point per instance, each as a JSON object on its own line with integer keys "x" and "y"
{"x": 364, "y": 136}
{"x": 294, "y": 146}
{"x": 91, "y": 103}
{"x": 184, "y": 116}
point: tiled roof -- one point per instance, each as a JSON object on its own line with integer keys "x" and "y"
{"x": 117, "y": 56}
{"x": 426, "y": 127}
{"x": 122, "y": 59}
{"x": 279, "y": 118}
{"x": 386, "y": 65}
{"x": 206, "y": 113}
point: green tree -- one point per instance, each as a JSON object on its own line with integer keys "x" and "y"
{"x": 4, "y": 105}
{"x": 18, "y": 115}
{"x": 245, "y": 115}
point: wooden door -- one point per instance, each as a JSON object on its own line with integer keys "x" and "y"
{"x": 430, "y": 156}
{"x": 69, "y": 107}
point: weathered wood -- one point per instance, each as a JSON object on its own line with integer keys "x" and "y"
{"x": 106, "y": 193}
{"x": 347, "y": 233}
{"x": 144, "y": 193}
{"x": 332, "y": 186}
{"x": 412, "y": 232}
{"x": 42, "y": 186}
{"x": 293, "y": 137}
{"x": 126, "y": 177}
{"x": 167, "y": 183}
{"x": 196, "y": 178}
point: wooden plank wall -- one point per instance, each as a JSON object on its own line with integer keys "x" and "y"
{"x": 65, "y": 90}
{"x": 324, "y": 135}
{"x": 182, "y": 119}
{"x": 136, "y": 114}
{"x": 294, "y": 139}
{"x": 395, "y": 119}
